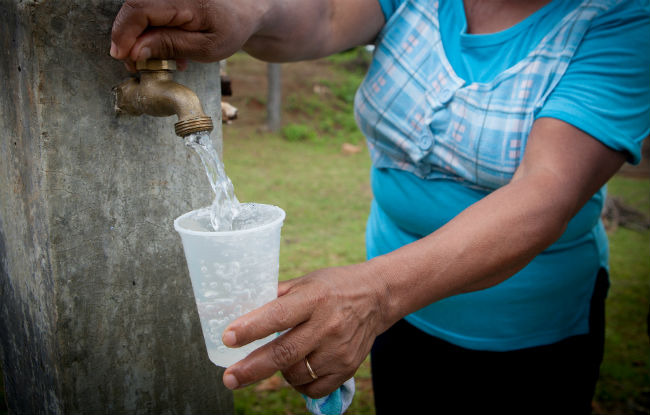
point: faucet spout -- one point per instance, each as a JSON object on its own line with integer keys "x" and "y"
{"x": 155, "y": 93}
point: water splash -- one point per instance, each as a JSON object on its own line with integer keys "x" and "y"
{"x": 225, "y": 206}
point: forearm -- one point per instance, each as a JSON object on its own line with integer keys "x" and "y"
{"x": 293, "y": 30}
{"x": 211, "y": 30}
{"x": 484, "y": 245}
{"x": 500, "y": 234}
{"x": 289, "y": 32}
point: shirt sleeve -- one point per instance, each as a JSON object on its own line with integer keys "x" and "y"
{"x": 605, "y": 91}
{"x": 389, "y": 7}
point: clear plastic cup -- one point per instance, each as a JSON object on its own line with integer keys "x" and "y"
{"x": 232, "y": 272}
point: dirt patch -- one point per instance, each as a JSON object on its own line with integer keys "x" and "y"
{"x": 249, "y": 86}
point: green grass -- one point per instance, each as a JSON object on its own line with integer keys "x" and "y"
{"x": 298, "y": 132}
{"x": 624, "y": 385}
{"x": 635, "y": 192}
{"x": 328, "y": 113}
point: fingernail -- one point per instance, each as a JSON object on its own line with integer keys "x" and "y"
{"x": 229, "y": 338}
{"x": 145, "y": 53}
{"x": 230, "y": 381}
{"x": 114, "y": 51}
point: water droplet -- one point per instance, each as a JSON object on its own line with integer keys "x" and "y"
{"x": 210, "y": 294}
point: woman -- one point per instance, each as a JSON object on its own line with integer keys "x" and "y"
{"x": 493, "y": 127}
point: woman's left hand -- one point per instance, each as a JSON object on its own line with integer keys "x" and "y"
{"x": 334, "y": 315}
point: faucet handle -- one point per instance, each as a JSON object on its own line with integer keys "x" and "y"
{"x": 156, "y": 65}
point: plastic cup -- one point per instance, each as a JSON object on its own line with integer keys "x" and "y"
{"x": 232, "y": 273}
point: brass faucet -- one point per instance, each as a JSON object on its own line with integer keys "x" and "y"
{"x": 156, "y": 93}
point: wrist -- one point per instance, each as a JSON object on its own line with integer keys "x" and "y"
{"x": 379, "y": 271}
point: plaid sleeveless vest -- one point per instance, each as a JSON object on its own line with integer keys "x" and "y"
{"x": 419, "y": 116}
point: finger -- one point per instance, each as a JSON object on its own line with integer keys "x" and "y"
{"x": 130, "y": 65}
{"x": 278, "y": 315}
{"x": 279, "y": 354}
{"x": 322, "y": 386}
{"x": 136, "y": 16}
{"x": 299, "y": 374}
{"x": 283, "y": 288}
{"x": 177, "y": 43}
{"x": 181, "y": 64}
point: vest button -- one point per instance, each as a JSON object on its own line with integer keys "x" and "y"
{"x": 425, "y": 141}
{"x": 445, "y": 95}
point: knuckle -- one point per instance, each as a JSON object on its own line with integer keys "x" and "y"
{"x": 337, "y": 327}
{"x": 129, "y": 5}
{"x": 348, "y": 361}
{"x": 246, "y": 374}
{"x": 132, "y": 5}
{"x": 283, "y": 353}
{"x": 168, "y": 45}
{"x": 279, "y": 313}
{"x": 118, "y": 23}
{"x": 319, "y": 294}
{"x": 204, "y": 12}
{"x": 206, "y": 49}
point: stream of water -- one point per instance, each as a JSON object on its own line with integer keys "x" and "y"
{"x": 232, "y": 273}
{"x": 225, "y": 206}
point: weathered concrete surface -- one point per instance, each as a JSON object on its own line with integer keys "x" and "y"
{"x": 96, "y": 309}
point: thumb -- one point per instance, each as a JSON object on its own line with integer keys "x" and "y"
{"x": 172, "y": 43}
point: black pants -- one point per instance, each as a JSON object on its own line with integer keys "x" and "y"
{"x": 413, "y": 372}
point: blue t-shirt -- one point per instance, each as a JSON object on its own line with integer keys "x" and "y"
{"x": 605, "y": 92}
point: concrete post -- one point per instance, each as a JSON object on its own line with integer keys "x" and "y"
{"x": 274, "y": 98}
{"x": 96, "y": 307}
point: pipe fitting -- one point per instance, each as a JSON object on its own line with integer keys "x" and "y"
{"x": 155, "y": 93}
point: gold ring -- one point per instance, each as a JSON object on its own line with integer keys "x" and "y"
{"x": 311, "y": 371}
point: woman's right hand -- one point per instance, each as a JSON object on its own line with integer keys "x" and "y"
{"x": 207, "y": 30}
{"x": 211, "y": 30}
